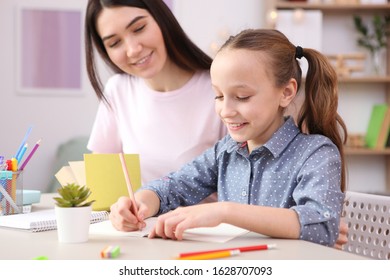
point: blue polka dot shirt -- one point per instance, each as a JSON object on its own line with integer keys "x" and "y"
{"x": 292, "y": 170}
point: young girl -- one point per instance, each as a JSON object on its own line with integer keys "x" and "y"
{"x": 272, "y": 176}
{"x": 159, "y": 104}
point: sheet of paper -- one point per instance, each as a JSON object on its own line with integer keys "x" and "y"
{"x": 218, "y": 234}
{"x": 65, "y": 176}
{"x": 78, "y": 170}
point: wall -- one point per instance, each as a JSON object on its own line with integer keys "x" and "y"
{"x": 221, "y": 18}
{"x": 54, "y": 119}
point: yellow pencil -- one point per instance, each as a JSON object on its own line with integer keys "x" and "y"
{"x": 214, "y": 255}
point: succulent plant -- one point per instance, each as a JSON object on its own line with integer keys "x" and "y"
{"x": 73, "y": 195}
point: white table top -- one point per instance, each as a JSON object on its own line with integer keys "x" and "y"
{"x": 22, "y": 245}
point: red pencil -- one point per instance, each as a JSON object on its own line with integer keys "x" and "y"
{"x": 241, "y": 249}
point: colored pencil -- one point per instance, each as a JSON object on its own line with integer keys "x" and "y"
{"x": 22, "y": 152}
{"x": 241, "y": 249}
{"x": 128, "y": 183}
{"x": 17, "y": 155}
{"x": 212, "y": 255}
{"x": 21, "y": 168}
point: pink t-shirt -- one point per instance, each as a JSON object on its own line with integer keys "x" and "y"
{"x": 167, "y": 129}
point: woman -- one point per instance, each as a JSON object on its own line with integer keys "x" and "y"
{"x": 159, "y": 104}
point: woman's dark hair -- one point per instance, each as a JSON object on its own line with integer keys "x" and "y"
{"x": 181, "y": 50}
{"x": 318, "y": 114}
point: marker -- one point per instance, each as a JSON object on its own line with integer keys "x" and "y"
{"x": 14, "y": 164}
{"x": 30, "y": 155}
{"x": 213, "y": 255}
{"x": 241, "y": 249}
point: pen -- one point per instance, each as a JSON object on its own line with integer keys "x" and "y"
{"x": 128, "y": 183}
{"x": 241, "y": 249}
{"x": 30, "y": 155}
{"x": 212, "y": 255}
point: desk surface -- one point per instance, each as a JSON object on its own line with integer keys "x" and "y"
{"x": 16, "y": 245}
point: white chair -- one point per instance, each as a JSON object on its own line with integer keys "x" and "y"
{"x": 368, "y": 219}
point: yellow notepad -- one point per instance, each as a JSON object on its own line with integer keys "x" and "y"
{"x": 104, "y": 176}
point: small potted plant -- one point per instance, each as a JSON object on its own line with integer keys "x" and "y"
{"x": 73, "y": 213}
{"x": 373, "y": 38}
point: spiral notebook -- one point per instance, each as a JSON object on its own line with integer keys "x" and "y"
{"x": 42, "y": 220}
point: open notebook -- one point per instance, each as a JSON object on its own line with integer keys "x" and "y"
{"x": 219, "y": 234}
{"x": 41, "y": 220}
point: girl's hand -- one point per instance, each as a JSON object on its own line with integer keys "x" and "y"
{"x": 343, "y": 235}
{"x": 173, "y": 224}
{"x": 123, "y": 219}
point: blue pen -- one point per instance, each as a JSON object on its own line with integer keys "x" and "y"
{"x": 23, "y": 142}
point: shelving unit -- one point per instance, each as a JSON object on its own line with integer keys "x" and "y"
{"x": 350, "y": 9}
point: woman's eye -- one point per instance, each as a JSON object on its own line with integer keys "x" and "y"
{"x": 219, "y": 97}
{"x": 138, "y": 29}
{"x": 113, "y": 44}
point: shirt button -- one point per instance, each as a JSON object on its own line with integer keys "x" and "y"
{"x": 326, "y": 215}
{"x": 244, "y": 193}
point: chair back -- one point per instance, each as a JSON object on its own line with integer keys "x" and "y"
{"x": 368, "y": 219}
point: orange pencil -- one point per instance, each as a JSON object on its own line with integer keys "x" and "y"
{"x": 214, "y": 255}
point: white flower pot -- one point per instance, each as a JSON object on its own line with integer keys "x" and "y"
{"x": 73, "y": 223}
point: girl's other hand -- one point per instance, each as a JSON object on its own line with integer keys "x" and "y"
{"x": 173, "y": 224}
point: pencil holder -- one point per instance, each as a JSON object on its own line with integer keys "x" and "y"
{"x": 11, "y": 192}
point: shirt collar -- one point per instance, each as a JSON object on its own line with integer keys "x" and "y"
{"x": 282, "y": 137}
{"x": 278, "y": 142}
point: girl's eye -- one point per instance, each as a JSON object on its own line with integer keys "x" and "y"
{"x": 219, "y": 97}
{"x": 244, "y": 98}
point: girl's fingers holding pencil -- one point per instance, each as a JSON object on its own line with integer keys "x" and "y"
{"x": 121, "y": 216}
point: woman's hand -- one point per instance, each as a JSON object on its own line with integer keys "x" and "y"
{"x": 123, "y": 219}
{"x": 173, "y": 224}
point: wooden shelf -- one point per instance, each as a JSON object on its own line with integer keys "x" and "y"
{"x": 366, "y": 152}
{"x": 335, "y": 8}
{"x": 378, "y": 79}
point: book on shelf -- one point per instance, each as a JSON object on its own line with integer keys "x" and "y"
{"x": 42, "y": 220}
{"x": 378, "y": 127}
